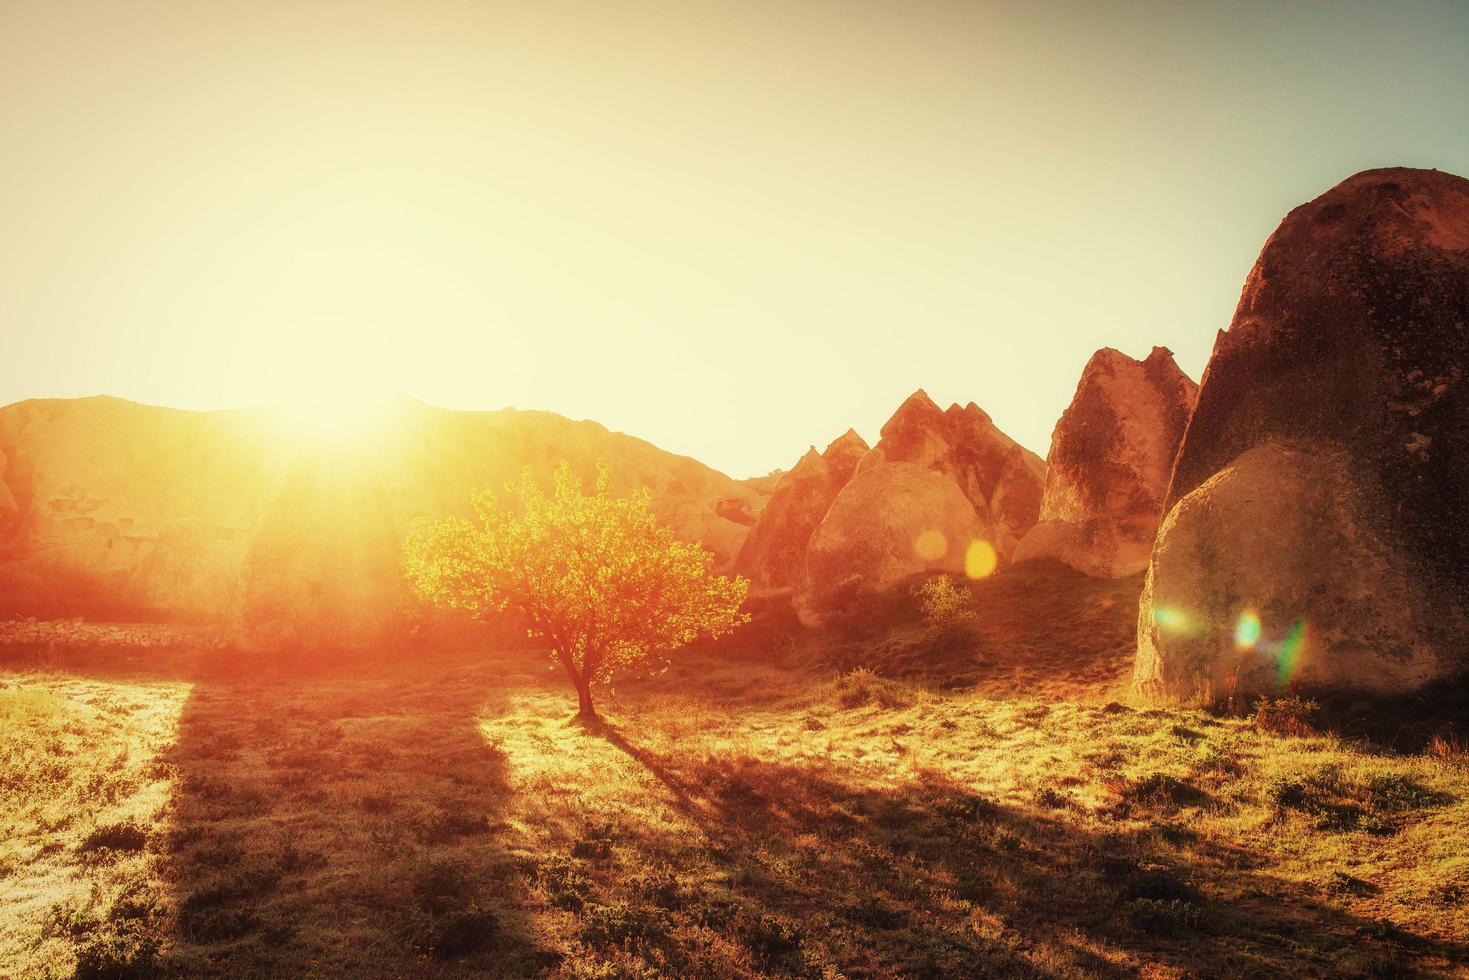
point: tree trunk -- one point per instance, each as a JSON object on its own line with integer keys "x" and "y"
{"x": 585, "y": 711}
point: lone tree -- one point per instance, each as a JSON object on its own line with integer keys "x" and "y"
{"x": 594, "y": 575}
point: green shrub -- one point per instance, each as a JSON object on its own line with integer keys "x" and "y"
{"x": 1286, "y": 716}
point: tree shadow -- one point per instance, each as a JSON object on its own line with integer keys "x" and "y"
{"x": 808, "y": 870}
{"x": 334, "y": 822}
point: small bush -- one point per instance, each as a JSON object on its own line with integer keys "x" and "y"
{"x": 446, "y": 826}
{"x": 565, "y": 883}
{"x": 620, "y": 923}
{"x": 1339, "y": 802}
{"x": 1450, "y": 748}
{"x": 1052, "y": 799}
{"x": 130, "y": 954}
{"x": 945, "y": 606}
{"x": 863, "y": 686}
{"x": 1394, "y": 793}
{"x": 870, "y": 912}
{"x": 1161, "y": 789}
{"x": 1157, "y": 885}
{"x": 770, "y": 939}
{"x": 1286, "y": 716}
{"x": 125, "y": 836}
{"x": 1163, "y": 917}
{"x": 660, "y": 886}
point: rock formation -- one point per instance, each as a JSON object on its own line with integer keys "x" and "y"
{"x": 113, "y": 509}
{"x": 935, "y": 483}
{"x": 1318, "y": 524}
{"x": 1111, "y": 456}
{"x": 774, "y": 554}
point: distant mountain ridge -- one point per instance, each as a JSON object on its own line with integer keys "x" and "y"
{"x": 114, "y": 508}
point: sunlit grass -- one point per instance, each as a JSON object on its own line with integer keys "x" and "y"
{"x": 84, "y": 792}
{"x": 769, "y": 815}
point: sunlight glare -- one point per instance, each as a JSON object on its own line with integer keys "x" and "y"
{"x": 931, "y": 545}
{"x": 1290, "y": 651}
{"x": 1247, "y": 630}
{"x": 338, "y": 420}
{"x": 1170, "y": 619}
{"x": 980, "y": 559}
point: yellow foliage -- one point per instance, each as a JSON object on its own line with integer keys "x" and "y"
{"x": 943, "y": 603}
{"x": 594, "y": 575}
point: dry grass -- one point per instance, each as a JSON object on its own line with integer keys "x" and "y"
{"x": 750, "y": 813}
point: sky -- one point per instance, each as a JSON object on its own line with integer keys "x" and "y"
{"x": 733, "y": 229}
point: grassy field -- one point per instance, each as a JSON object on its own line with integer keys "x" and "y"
{"x": 843, "y": 805}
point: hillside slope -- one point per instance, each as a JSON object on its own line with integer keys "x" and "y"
{"x": 111, "y": 508}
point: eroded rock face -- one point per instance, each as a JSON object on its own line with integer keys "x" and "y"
{"x": 1002, "y": 480}
{"x": 891, "y": 521}
{"x": 121, "y": 510}
{"x": 935, "y": 483}
{"x": 1270, "y": 574}
{"x": 1111, "y": 456}
{"x": 1344, "y": 368}
{"x": 774, "y": 553}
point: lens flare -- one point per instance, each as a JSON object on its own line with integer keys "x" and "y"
{"x": 980, "y": 559}
{"x": 931, "y": 545}
{"x": 1170, "y": 619}
{"x": 1247, "y": 630}
{"x": 1290, "y": 651}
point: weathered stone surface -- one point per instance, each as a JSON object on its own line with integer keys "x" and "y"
{"x": 935, "y": 483}
{"x": 124, "y": 510}
{"x": 891, "y": 521}
{"x": 1277, "y": 538}
{"x": 1345, "y": 366}
{"x": 1111, "y": 456}
{"x": 774, "y": 553}
{"x": 1002, "y": 480}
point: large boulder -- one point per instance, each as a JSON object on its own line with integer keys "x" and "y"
{"x": 1111, "y": 456}
{"x": 1002, "y": 479}
{"x": 938, "y": 483}
{"x": 1318, "y": 525}
{"x": 890, "y": 522}
{"x": 774, "y": 553}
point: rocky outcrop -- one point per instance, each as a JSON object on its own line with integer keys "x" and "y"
{"x": 1001, "y": 479}
{"x": 774, "y": 554}
{"x": 124, "y": 511}
{"x": 892, "y": 521}
{"x": 1318, "y": 524}
{"x": 937, "y": 482}
{"x": 1111, "y": 456}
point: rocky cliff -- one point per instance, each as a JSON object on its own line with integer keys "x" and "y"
{"x": 1109, "y": 465}
{"x": 938, "y": 483}
{"x": 1318, "y": 524}
{"x": 774, "y": 554}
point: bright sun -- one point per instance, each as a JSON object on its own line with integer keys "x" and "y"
{"x": 339, "y": 420}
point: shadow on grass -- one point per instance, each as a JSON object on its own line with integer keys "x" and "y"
{"x": 334, "y": 822}
{"x": 807, "y": 871}
{"x": 353, "y": 822}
